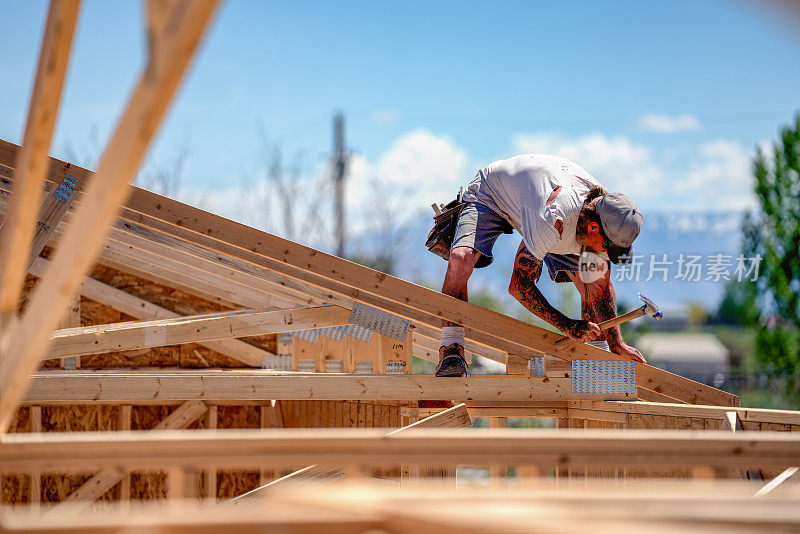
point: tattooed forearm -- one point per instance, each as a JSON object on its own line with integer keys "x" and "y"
{"x": 527, "y": 270}
{"x": 604, "y": 306}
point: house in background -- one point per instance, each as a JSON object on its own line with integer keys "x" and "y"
{"x": 698, "y": 356}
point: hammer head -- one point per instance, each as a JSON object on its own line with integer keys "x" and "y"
{"x": 650, "y": 307}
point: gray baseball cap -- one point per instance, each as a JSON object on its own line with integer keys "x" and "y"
{"x": 620, "y": 224}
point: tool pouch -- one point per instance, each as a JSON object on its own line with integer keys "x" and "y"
{"x": 440, "y": 238}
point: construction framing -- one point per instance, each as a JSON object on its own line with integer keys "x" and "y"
{"x": 312, "y": 341}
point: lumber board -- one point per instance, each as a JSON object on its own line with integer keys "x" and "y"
{"x": 142, "y": 309}
{"x": 245, "y": 448}
{"x": 19, "y": 228}
{"x": 157, "y": 260}
{"x": 134, "y": 335}
{"x": 339, "y": 281}
{"x": 759, "y": 415}
{"x": 104, "y": 480}
{"x": 368, "y": 506}
{"x": 154, "y": 386}
{"x": 148, "y": 103}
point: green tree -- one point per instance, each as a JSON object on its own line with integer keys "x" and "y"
{"x": 775, "y": 235}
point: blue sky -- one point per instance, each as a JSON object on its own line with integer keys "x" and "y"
{"x": 662, "y": 100}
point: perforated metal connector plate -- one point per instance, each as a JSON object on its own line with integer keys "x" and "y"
{"x": 277, "y": 362}
{"x": 536, "y": 366}
{"x": 395, "y": 367}
{"x": 333, "y": 332}
{"x": 334, "y": 366}
{"x": 379, "y": 321}
{"x": 307, "y": 335}
{"x": 306, "y": 365}
{"x": 358, "y": 332}
{"x": 603, "y": 376}
{"x": 362, "y": 367}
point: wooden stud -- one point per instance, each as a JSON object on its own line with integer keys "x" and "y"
{"x": 124, "y": 423}
{"x": 36, "y": 476}
{"x": 72, "y": 319}
{"x": 498, "y": 473}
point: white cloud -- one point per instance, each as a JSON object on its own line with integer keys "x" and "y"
{"x": 617, "y": 162}
{"x": 713, "y": 176}
{"x": 669, "y": 124}
{"x": 419, "y": 168}
{"x": 719, "y": 177}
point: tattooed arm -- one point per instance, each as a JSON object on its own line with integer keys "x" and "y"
{"x": 527, "y": 270}
{"x": 601, "y": 299}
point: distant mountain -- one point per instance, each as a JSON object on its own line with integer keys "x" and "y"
{"x": 673, "y": 234}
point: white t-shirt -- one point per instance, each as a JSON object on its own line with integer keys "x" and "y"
{"x": 518, "y": 189}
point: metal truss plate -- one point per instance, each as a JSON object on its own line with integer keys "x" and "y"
{"x": 334, "y": 366}
{"x": 359, "y": 332}
{"x": 362, "y": 367}
{"x": 379, "y": 321}
{"x": 603, "y": 376}
{"x": 307, "y": 365}
{"x": 284, "y": 338}
{"x": 337, "y": 333}
{"x": 277, "y": 362}
{"x": 307, "y": 335}
{"x": 395, "y": 367}
{"x": 536, "y": 366}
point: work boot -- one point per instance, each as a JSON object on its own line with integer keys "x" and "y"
{"x": 451, "y": 361}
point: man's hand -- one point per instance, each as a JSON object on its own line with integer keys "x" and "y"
{"x": 580, "y": 330}
{"x": 623, "y": 349}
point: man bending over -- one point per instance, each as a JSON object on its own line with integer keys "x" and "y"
{"x": 567, "y": 221}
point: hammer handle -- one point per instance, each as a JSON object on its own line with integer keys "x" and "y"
{"x": 566, "y": 342}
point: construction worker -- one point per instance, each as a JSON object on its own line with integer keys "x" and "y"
{"x": 568, "y": 222}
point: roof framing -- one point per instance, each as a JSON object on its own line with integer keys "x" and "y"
{"x": 325, "y": 277}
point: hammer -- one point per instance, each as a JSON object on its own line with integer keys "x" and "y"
{"x": 649, "y": 308}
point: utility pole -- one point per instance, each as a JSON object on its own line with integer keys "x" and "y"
{"x": 339, "y": 168}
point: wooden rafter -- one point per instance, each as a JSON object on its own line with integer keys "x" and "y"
{"x": 655, "y": 384}
{"x": 134, "y": 335}
{"x": 142, "y": 309}
{"x": 118, "y": 165}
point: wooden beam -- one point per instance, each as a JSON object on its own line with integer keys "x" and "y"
{"x": 106, "y": 192}
{"x": 759, "y": 415}
{"x": 134, "y": 335}
{"x": 245, "y": 448}
{"x": 159, "y": 386}
{"x": 142, "y": 309}
{"x": 160, "y": 258}
{"x": 32, "y": 163}
{"x": 81, "y": 498}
